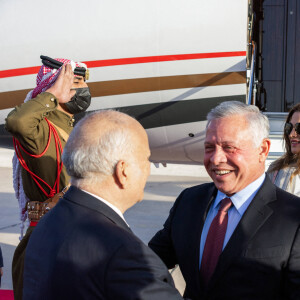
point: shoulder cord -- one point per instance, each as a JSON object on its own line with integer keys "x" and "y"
{"x": 52, "y": 190}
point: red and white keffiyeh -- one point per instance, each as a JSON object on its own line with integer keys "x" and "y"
{"x": 46, "y": 77}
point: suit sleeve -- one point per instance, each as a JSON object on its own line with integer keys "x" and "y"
{"x": 293, "y": 270}
{"x": 135, "y": 272}
{"x": 1, "y": 258}
{"x": 162, "y": 243}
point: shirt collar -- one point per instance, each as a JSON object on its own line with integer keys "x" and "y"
{"x": 108, "y": 204}
{"x": 242, "y": 199}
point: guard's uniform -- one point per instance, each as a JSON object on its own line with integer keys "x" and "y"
{"x": 28, "y": 125}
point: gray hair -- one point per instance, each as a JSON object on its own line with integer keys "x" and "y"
{"x": 258, "y": 123}
{"x": 91, "y": 154}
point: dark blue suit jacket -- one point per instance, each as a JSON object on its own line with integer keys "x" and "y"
{"x": 1, "y": 262}
{"x": 1, "y": 258}
{"x": 82, "y": 249}
{"x": 260, "y": 261}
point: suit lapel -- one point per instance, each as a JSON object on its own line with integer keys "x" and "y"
{"x": 254, "y": 217}
{"x": 81, "y": 198}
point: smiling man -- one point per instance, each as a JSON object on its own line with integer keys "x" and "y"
{"x": 238, "y": 237}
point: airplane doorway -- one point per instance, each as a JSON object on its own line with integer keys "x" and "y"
{"x": 278, "y": 60}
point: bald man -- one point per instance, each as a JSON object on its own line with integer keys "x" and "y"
{"x": 83, "y": 248}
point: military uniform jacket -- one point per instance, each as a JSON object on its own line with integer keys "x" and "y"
{"x": 28, "y": 125}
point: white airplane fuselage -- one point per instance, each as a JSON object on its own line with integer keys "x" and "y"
{"x": 166, "y": 63}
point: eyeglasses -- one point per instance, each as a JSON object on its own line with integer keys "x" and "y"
{"x": 288, "y": 127}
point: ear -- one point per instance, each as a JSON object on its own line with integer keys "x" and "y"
{"x": 121, "y": 173}
{"x": 264, "y": 149}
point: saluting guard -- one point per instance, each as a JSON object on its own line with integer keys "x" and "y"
{"x": 40, "y": 128}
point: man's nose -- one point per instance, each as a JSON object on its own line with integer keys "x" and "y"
{"x": 219, "y": 156}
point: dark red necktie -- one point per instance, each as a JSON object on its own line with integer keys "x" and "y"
{"x": 214, "y": 241}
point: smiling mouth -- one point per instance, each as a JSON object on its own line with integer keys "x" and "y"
{"x": 222, "y": 172}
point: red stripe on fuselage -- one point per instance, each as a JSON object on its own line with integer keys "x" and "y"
{"x": 149, "y": 59}
{"x": 19, "y": 72}
{"x": 128, "y": 61}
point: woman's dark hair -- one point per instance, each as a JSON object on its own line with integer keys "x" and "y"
{"x": 288, "y": 158}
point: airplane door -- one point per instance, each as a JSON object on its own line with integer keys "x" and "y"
{"x": 292, "y": 75}
{"x": 279, "y": 55}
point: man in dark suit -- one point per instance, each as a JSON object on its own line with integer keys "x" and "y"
{"x": 83, "y": 248}
{"x": 1, "y": 265}
{"x": 238, "y": 237}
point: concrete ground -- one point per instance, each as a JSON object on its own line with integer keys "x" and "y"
{"x": 145, "y": 218}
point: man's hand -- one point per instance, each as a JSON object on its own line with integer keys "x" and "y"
{"x": 61, "y": 89}
{"x": 1, "y": 272}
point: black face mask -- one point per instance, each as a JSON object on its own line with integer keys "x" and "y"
{"x": 80, "y": 101}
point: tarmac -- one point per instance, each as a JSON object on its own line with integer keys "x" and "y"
{"x": 145, "y": 218}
